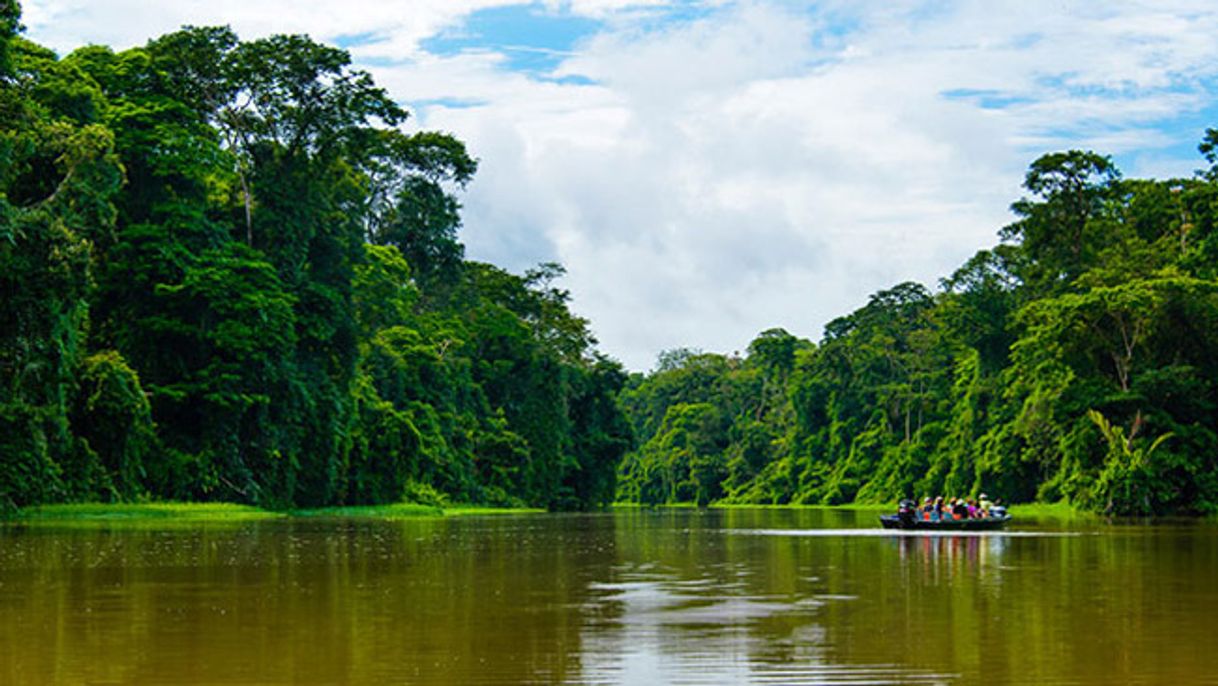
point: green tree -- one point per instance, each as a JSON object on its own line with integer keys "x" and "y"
{"x": 112, "y": 420}
{"x": 1127, "y": 484}
{"x": 10, "y": 25}
{"x": 1058, "y": 228}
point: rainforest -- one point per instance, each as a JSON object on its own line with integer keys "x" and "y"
{"x": 1074, "y": 361}
{"x": 229, "y": 273}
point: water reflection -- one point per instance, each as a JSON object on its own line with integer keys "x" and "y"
{"x": 626, "y": 598}
{"x": 655, "y": 627}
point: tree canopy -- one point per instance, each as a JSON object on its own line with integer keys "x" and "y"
{"x": 1073, "y": 361}
{"x": 228, "y": 274}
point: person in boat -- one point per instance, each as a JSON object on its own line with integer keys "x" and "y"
{"x": 907, "y": 511}
{"x": 959, "y": 509}
{"x": 926, "y": 509}
{"x": 944, "y": 513}
{"x": 985, "y": 505}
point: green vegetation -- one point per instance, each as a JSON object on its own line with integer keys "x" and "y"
{"x": 110, "y": 512}
{"x": 412, "y": 510}
{"x": 886, "y": 508}
{"x": 725, "y": 505}
{"x": 1051, "y": 511}
{"x": 228, "y": 275}
{"x": 1074, "y": 362}
{"x": 393, "y": 511}
{"x": 191, "y": 513}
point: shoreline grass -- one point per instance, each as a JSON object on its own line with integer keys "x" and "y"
{"x": 1061, "y": 510}
{"x": 165, "y": 512}
{"x": 410, "y": 511}
{"x": 160, "y": 511}
{"x": 394, "y": 511}
{"x": 865, "y": 507}
{"x": 192, "y": 513}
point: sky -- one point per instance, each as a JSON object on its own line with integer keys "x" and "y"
{"x": 708, "y": 170}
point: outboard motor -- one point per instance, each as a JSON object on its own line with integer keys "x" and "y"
{"x": 907, "y": 512}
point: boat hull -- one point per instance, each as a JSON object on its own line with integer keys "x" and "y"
{"x": 983, "y": 524}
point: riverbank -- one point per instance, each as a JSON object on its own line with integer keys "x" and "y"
{"x": 231, "y": 512}
{"x": 864, "y": 507}
{"x": 1059, "y": 511}
{"x": 755, "y": 506}
{"x": 1037, "y": 509}
{"x": 1051, "y": 511}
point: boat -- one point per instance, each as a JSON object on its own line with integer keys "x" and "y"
{"x": 991, "y": 523}
{"x": 908, "y": 518}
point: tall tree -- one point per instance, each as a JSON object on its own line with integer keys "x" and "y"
{"x": 1057, "y": 227}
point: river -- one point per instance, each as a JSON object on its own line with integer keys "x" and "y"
{"x": 629, "y": 597}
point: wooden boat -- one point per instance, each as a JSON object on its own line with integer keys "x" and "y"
{"x": 991, "y": 523}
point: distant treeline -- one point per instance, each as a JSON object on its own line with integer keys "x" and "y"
{"x": 1077, "y": 360}
{"x": 227, "y": 274}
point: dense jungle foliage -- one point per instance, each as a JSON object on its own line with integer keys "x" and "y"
{"x": 227, "y": 274}
{"x": 1077, "y": 360}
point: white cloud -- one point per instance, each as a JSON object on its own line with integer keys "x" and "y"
{"x": 386, "y": 29}
{"x": 766, "y": 164}
{"x": 699, "y": 196}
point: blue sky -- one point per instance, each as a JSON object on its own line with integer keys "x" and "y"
{"x": 533, "y": 39}
{"x": 708, "y": 170}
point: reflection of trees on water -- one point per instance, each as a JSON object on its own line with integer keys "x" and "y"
{"x": 688, "y": 601}
{"x": 350, "y": 602}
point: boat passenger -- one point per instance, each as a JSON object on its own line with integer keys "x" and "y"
{"x": 907, "y": 512}
{"x": 938, "y": 511}
{"x": 985, "y": 505}
{"x": 973, "y": 512}
{"x": 926, "y": 508}
{"x": 959, "y": 509}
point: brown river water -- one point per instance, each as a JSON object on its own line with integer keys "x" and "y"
{"x": 630, "y": 597}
